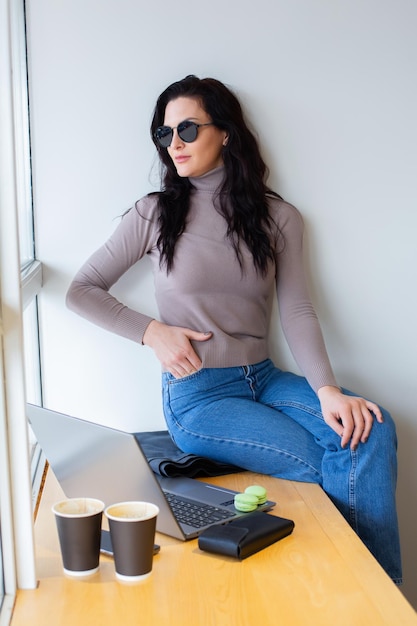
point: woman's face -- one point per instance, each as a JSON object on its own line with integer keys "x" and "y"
{"x": 203, "y": 154}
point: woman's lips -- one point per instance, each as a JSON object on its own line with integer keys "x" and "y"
{"x": 181, "y": 159}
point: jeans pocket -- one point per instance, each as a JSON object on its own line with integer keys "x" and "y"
{"x": 180, "y": 394}
{"x": 171, "y": 380}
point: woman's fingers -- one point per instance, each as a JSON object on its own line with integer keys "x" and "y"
{"x": 350, "y": 417}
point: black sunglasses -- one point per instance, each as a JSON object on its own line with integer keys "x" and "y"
{"x": 187, "y": 131}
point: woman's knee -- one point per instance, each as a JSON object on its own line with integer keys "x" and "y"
{"x": 389, "y": 428}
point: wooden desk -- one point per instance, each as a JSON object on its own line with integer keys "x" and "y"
{"x": 320, "y": 575}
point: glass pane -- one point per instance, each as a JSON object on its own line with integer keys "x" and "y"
{"x": 22, "y": 143}
{"x": 31, "y": 353}
{"x": 26, "y": 244}
{"x": 33, "y": 386}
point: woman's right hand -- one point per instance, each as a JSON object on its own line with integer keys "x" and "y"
{"x": 172, "y": 347}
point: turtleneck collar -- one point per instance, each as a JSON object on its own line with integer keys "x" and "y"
{"x": 210, "y": 181}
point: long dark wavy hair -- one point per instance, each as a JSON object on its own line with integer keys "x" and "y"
{"x": 241, "y": 199}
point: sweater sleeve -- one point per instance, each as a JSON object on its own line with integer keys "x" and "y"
{"x": 298, "y": 317}
{"x": 88, "y": 294}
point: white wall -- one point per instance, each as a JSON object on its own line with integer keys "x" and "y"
{"x": 331, "y": 89}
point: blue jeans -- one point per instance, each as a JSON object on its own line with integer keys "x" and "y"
{"x": 269, "y": 421}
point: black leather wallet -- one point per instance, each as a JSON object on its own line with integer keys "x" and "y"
{"x": 245, "y": 535}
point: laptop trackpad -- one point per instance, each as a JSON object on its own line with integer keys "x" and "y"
{"x": 197, "y": 490}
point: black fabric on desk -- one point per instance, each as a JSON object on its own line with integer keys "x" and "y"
{"x": 166, "y": 459}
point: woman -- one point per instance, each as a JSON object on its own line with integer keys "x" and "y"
{"x": 221, "y": 242}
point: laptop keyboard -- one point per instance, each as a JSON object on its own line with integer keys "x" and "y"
{"x": 195, "y": 514}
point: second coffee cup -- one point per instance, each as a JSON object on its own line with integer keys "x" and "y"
{"x": 132, "y": 529}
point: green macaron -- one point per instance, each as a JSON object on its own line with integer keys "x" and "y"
{"x": 245, "y": 502}
{"x": 258, "y": 491}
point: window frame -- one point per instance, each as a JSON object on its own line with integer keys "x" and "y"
{"x": 17, "y": 291}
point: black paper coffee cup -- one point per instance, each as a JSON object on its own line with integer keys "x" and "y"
{"x": 132, "y": 529}
{"x": 78, "y": 522}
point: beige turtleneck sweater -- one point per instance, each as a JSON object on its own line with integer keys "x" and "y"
{"x": 207, "y": 289}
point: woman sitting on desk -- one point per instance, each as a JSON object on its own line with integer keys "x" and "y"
{"x": 221, "y": 243}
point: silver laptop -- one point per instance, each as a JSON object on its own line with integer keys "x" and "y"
{"x": 92, "y": 460}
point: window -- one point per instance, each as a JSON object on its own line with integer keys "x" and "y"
{"x": 19, "y": 273}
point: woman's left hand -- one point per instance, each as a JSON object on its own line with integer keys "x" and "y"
{"x": 350, "y": 417}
